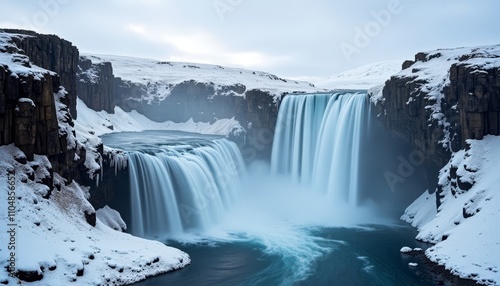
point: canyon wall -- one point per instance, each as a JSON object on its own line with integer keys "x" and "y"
{"x": 54, "y": 54}
{"x": 441, "y": 99}
{"x": 254, "y": 108}
{"x": 34, "y": 112}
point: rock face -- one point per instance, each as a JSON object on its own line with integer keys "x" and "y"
{"x": 477, "y": 92}
{"x": 443, "y": 98}
{"x": 95, "y": 85}
{"x": 55, "y": 54}
{"x": 33, "y": 114}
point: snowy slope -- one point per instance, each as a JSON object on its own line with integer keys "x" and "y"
{"x": 53, "y": 238}
{"x": 160, "y": 76}
{"x": 92, "y": 123}
{"x": 469, "y": 247}
{"x": 363, "y": 77}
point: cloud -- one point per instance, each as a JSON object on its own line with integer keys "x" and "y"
{"x": 287, "y": 38}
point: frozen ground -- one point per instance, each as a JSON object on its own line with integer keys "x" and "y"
{"x": 54, "y": 239}
{"x": 465, "y": 228}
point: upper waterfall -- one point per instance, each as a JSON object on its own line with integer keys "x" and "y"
{"x": 318, "y": 141}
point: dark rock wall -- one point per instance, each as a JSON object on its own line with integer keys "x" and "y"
{"x": 55, "y": 54}
{"x": 96, "y": 85}
{"x": 28, "y": 110}
{"x": 471, "y": 106}
{"x": 477, "y": 93}
{"x": 410, "y": 122}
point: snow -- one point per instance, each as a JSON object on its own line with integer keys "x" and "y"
{"x": 54, "y": 239}
{"x": 413, "y": 264}
{"x": 111, "y": 218}
{"x": 362, "y": 78}
{"x": 469, "y": 247}
{"x": 26, "y": 100}
{"x": 160, "y": 76}
{"x": 432, "y": 74}
{"x": 91, "y": 123}
{"x": 406, "y": 249}
{"x": 91, "y": 75}
{"x": 15, "y": 62}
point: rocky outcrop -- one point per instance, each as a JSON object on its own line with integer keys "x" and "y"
{"x": 476, "y": 93}
{"x": 55, "y": 54}
{"x": 443, "y": 98}
{"x": 96, "y": 85}
{"x": 33, "y": 114}
{"x": 114, "y": 183}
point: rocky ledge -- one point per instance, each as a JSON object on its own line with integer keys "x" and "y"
{"x": 441, "y": 99}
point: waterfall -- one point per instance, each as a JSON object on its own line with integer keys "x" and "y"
{"x": 318, "y": 142}
{"x": 181, "y": 188}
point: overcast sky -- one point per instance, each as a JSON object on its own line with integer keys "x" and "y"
{"x": 292, "y": 38}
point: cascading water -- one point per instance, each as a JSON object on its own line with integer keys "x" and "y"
{"x": 318, "y": 142}
{"x": 263, "y": 229}
{"x": 175, "y": 189}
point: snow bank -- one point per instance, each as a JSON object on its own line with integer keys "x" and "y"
{"x": 111, "y": 218}
{"x": 160, "y": 76}
{"x": 91, "y": 123}
{"x": 406, "y": 249}
{"x": 465, "y": 228}
{"x": 362, "y": 78}
{"x": 54, "y": 239}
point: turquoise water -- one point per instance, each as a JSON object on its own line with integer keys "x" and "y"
{"x": 350, "y": 256}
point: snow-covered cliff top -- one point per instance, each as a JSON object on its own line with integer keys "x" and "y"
{"x": 145, "y": 71}
{"x": 17, "y": 63}
{"x": 364, "y": 77}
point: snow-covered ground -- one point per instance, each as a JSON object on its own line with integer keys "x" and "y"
{"x": 92, "y": 123}
{"x": 469, "y": 247}
{"x": 53, "y": 238}
{"x": 364, "y": 77}
{"x": 160, "y": 76}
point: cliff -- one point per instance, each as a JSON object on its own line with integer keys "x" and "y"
{"x": 52, "y": 53}
{"x": 441, "y": 99}
{"x": 178, "y": 92}
{"x": 96, "y": 85}
{"x": 43, "y": 162}
{"x": 438, "y": 104}
{"x": 33, "y": 111}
